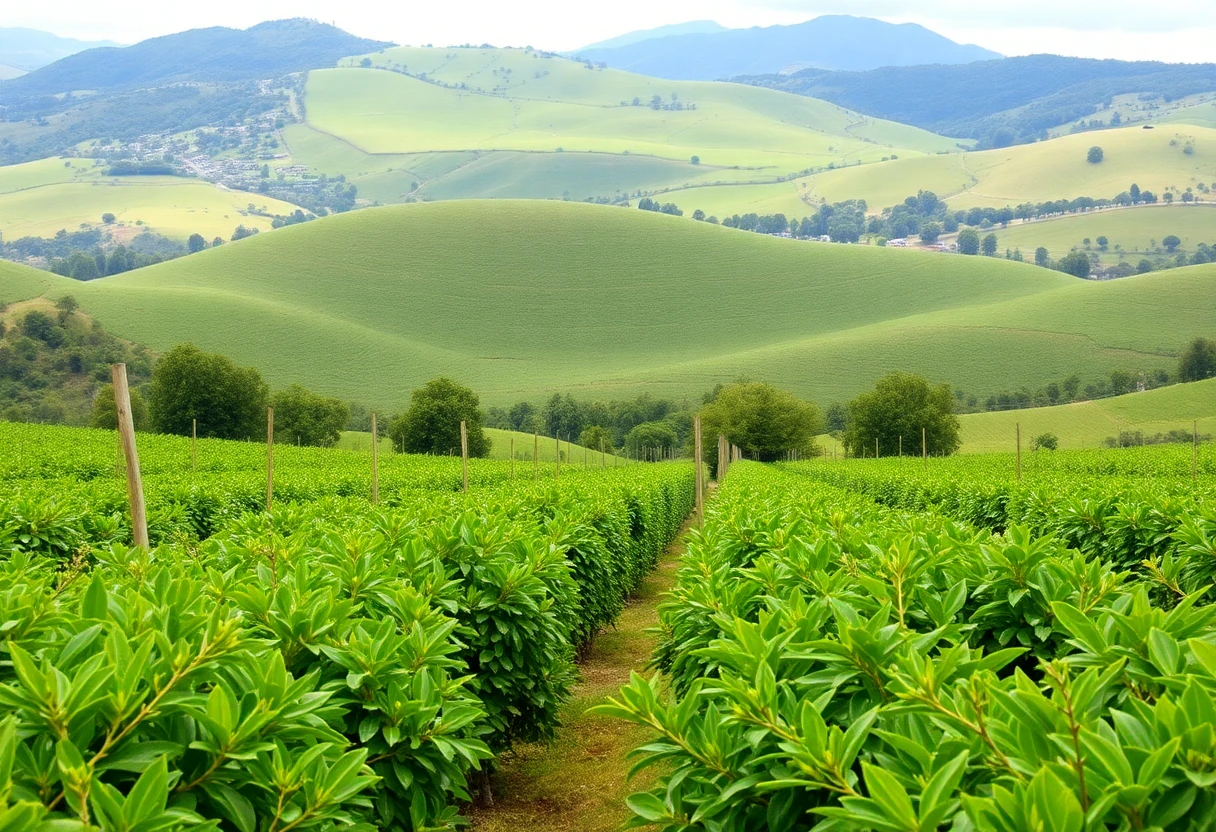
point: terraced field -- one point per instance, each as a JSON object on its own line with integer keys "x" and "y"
{"x": 522, "y": 299}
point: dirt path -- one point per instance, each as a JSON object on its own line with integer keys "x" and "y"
{"x": 578, "y": 782}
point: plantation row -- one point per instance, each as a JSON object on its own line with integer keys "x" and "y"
{"x": 326, "y": 663}
{"x": 838, "y": 664}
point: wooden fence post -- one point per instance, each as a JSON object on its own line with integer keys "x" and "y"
{"x": 536, "y": 457}
{"x": 1195, "y": 451}
{"x": 1018, "y": 428}
{"x": 126, "y": 435}
{"x": 696, "y": 433}
{"x": 924, "y": 448}
{"x": 464, "y": 455}
{"x": 557, "y": 443}
{"x": 603, "y": 458}
{"x": 512, "y": 457}
{"x": 901, "y": 446}
{"x": 876, "y": 447}
{"x": 194, "y": 446}
{"x": 269, "y": 458}
{"x": 375, "y": 461}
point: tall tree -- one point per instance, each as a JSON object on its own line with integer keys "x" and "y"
{"x": 969, "y": 241}
{"x": 1198, "y": 361}
{"x": 305, "y": 418}
{"x": 229, "y": 402}
{"x": 762, "y": 420}
{"x": 903, "y": 405}
{"x": 432, "y": 423}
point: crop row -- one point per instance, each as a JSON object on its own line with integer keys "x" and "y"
{"x": 839, "y": 664}
{"x": 328, "y": 663}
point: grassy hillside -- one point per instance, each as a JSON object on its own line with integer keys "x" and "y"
{"x": 520, "y": 299}
{"x": 1154, "y": 159}
{"x": 500, "y": 448}
{"x": 1132, "y": 233}
{"x": 517, "y": 123}
{"x": 1087, "y": 424}
{"x": 38, "y": 199}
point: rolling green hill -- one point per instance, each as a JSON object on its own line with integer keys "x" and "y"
{"x": 1154, "y": 159}
{"x": 1132, "y": 233}
{"x": 521, "y": 299}
{"x": 37, "y": 199}
{"x": 468, "y": 122}
{"x": 1088, "y": 424}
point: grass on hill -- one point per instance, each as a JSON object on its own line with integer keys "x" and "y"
{"x": 38, "y": 199}
{"x": 529, "y": 125}
{"x": 523, "y": 299}
{"x": 500, "y": 447}
{"x": 1088, "y": 424}
{"x": 1132, "y": 233}
{"x": 1154, "y": 159}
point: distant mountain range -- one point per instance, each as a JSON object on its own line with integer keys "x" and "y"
{"x": 833, "y": 42}
{"x": 998, "y": 102}
{"x": 30, "y": 49}
{"x": 695, "y": 27}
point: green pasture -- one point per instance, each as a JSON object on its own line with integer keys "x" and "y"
{"x": 168, "y": 205}
{"x": 1087, "y": 424}
{"x": 1057, "y": 169}
{"x": 500, "y": 447}
{"x": 1132, "y": 233}
{"x": 54, "y": 171}
{"x": 523, "y": 299}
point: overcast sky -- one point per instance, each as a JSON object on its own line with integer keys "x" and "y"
{"x": 1173, "y": 30}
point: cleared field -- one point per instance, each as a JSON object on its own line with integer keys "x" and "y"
{"x": 548, "y": 127}
{"x": 522, "y": 299}
{"x": 1056, "y": 169}
{"x": 1137, "y": 231}
{"x": 1087, "y": 424}
{"x": 46, "y": 172}
{"x": 169, "y": 205}
{"x": 7, "y": 72}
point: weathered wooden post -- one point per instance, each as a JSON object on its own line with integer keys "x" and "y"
{"x": 464, "y": 455}
{"x": 924, "y": 448}
{"x": 126, "y": 435}
{"x": 536, "y": 457}
{"x": 194, "y": 446}
{"x": 557, "y": 443}
{"x": 696, "y": 434}
{"x": 1195, "y": 451}
{"x": 269, "y": 458}
{"x": 1018, "y": 427}
{"x": 512, "y": 457}
{"x": 375, "y": 461}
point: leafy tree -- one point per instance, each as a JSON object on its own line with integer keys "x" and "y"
{"x": 902, "y": 405}
{"x": 969, "y": 241}
{"x": 305, "y": 418}
{"x": 1103, "y": 243}
{"x": 1144, "y": 266}
{"x": 229, "y": 402}
{"x": 1134, "y": 192}
{"x": 523, "y": 417}
{"x": 42, "y": 327}
{"x": 836, "y": 418}
{"x": 650, "y": 436}
{"x": 1171, "y": 243}
{"x": 930, "y": 233}
{"x": 196, "y": 243}
{"x": 108, "y": 218}
{"x": 432, "y": 423}
{"x": 698, "y": 215}
{"x": 1076, "y": 264}
{"x": 105, "y": 413}
{"x": 595, "y": 437}
{"x": 1198, "y": 360}
{"x": 1045, "y": 442}
{"x": 696, "y": 160}
{"x": 1095, "y": 155}
{"x": 988, "y": 246}
{"x": 1042, "y": 257}
{"x": 762, "y": 420}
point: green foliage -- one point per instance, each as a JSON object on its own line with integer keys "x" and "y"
{"x": 649, "y": 436}
{"x": 229, "y": 402}
{"x": 766, "y": 423}
{"x": 304, "y": 418}
{"x": 1045, "y": 442}
{"x": 1198, "y": 360}
{"x": 1095, "y": 155}
{"x": 903, "y": 410}
{"x": 1075, "y": 263}
{"x": 596, "y": 438}
{"x": 432, "y": 423}
{"x": 105, "y": 413}
{"x": 969, "y": 241}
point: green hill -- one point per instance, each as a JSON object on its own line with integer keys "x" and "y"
{"x": 1131, "y": 233}
{"x": 1088, "y": 424}
{"x": 521, "y": 299}
{"x": 1157, "y": 160}
{"x": 520, "y": 123}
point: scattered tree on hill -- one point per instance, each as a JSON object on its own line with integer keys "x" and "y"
{"x": 1095, "y": 155}
{"x": 903, "y": 404}
{"x": 762, "y": 420}
{"x": 698, "y": 215}
{"x": 229, "y": 402}
{"x": 1198, "y": 360}
{"x": 105, "y": 413}
{"x": 1103, "y": 243}
{"x": 196, "y": 243}
{"x": 1134, "y": 192}
{"x": 305, "y": 418}
{"x": 1075, "y": 263}
{"x": 432, "y": 423}
{"x": 1171, "y": 243}
{"x": 989, "y": 245}
{"x": 696, "y": 160}
{"x": 930, "y": 233}
{"x": 969, "y": 241}
{"x": 650, "y": 436}
{"x": 1144, "y": 266}
{"x": 241, "y": 232}
{"x": 107, "y": 218}
{"x": 1045, "y": 442}
{"x": 1042, "y": 257}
